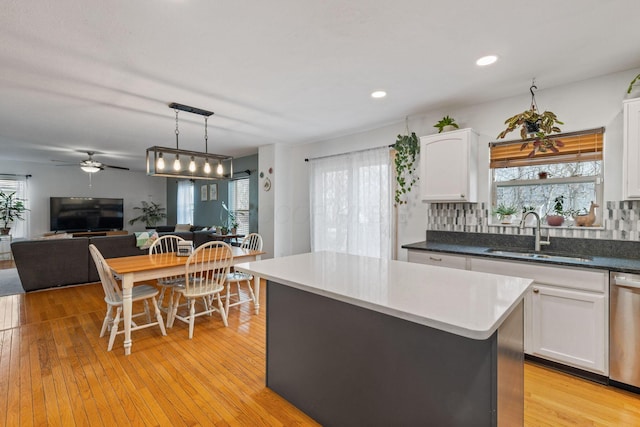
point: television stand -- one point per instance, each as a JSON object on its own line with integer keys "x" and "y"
{"x": 95, "y": 233}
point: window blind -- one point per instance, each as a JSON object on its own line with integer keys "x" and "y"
{"x": 578, "y": 146}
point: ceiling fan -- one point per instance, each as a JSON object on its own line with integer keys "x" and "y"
{"x": 91, "y": 166}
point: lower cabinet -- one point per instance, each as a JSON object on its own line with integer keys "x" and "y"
{"x": 438, "y": 258}
{"x": 568, "y": 326}
{"x": 566, "y": 312}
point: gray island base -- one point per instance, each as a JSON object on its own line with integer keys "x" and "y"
{"x": 361, "y": 341}
{"x": 346, "y": 365}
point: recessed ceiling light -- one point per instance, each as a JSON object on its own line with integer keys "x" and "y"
{"x": 486, "y": 60}
{"x": 378, "y": 94}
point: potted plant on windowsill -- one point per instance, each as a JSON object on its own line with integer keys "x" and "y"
{"x": 152, "y": 214}
{"x": 11, "y": 209}
{"x": 557, "y": 218}
{"x": 446, "y": 124}
{"x": 505, "y": 213}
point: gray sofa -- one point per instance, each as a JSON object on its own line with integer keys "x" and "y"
{"x": 46, "y": 263}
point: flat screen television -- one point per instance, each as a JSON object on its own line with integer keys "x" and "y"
{"x": 86, "y": 214}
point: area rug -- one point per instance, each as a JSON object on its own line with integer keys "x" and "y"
{"x": 10, "y": 282}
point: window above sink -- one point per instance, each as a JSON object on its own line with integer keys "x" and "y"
{"x": 535, "y": 182}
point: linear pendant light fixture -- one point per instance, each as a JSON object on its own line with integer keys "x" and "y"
{"x": 166, "y": 162}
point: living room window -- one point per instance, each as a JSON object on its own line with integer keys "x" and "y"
{"x": 184, "y": 205}
{"x": 239, "y": 203}
{"x": 18, "y": 184}
{"x": 575, "y": 173}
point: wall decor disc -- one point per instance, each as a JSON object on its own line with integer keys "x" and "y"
{"x": 267, "y": 184}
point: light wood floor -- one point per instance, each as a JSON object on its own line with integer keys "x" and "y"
{"x": 55, "y": 370}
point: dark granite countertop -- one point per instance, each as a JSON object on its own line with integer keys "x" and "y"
{"x": 622, "y": 256}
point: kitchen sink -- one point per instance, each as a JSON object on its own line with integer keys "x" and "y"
{"x": 538, "y": 255}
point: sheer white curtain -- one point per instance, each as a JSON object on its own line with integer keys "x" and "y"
{"x": 351, "y": 203}
{"x": 184, "y": 208}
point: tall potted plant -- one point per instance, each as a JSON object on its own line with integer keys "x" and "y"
{"x": 152, "y": 213}
{"x": 230, "y": 223}
{"x": 11, "y": 209}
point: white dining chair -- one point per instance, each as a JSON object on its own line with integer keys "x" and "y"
{"x": 205, "y": 273}
{"x": 113, "y": 298}
{"x": 167, "y": 244}
{"x": 252, "y": 241}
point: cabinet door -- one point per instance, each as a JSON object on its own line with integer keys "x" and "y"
{"x": 585, "y": 297}
{"x": 567, "y": 326}
{"x": 437, "y": 258}
{"x": 448, "y": 164}
{"x": 631, "y": 149}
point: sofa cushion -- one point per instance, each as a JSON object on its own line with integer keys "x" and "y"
{"x": 45, "y": 264}
{"x": 186, "y": 235}
{"x": 182, "y": 227}
{"x": 144, "y": 239}
{"x": 201, "y": 237}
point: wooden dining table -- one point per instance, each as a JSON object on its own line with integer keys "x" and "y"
{"x": 147, "y": 267}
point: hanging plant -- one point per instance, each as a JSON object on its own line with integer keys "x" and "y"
{"x": 536, "y": 127}
{"x": 407, "y": 148}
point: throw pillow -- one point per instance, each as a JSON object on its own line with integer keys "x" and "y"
{"x": 182, "y": 227}
{"x": 144, "y": 239}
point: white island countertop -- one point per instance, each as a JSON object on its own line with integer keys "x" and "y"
{"x": 466, "y": 303}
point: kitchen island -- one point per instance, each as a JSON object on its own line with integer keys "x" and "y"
{"x": 354, "y": 340}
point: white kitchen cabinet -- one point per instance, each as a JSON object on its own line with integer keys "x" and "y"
{"x": 568, "y": 326}
{"x": 437, "y": 258}
{"x": 448, "y": 166}
{"x": 566, "y": 312}
{"x": 631, "y": 149}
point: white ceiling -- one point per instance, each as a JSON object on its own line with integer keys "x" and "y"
{"x": 80, "y": 75}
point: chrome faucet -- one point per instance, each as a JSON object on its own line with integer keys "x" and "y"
{"x": 538, "y": 243}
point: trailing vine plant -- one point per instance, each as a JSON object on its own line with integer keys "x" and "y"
{"x": 407, "y": 148}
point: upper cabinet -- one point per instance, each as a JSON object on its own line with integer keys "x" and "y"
{"x": 448, "y": 166}
{"x": 631, "y": 150}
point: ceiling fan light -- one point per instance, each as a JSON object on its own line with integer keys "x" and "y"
{"x": 90, "y": 168}
{"x": 176, "y": 163}
{"x": 192, "y": 165}
{"x": 160, "y": 162}
{"x": 207, "y": 166}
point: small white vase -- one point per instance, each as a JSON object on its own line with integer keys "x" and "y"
{"x": 448, "y": 128}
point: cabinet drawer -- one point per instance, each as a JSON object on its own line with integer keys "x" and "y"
{"x": 438, "y": 258}
{"x": 567, "y": 277}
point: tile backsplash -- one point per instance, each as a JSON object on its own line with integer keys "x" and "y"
{"x": 617, "y": 221}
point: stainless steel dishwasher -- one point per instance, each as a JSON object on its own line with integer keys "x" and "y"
{"x": 624, "y": 329}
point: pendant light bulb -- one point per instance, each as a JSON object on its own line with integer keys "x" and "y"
{"x": 207, "y": 167}
{"x": 219, "y": 170}
{"x": 192, "y": 165}
{"x": 160, "y": 162}
{"x": 176, "y": 163}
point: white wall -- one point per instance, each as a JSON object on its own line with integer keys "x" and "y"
{"x": 266, "y": 199}
{"x": 63, "y": 181}
{"x": 581, "y": 105}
